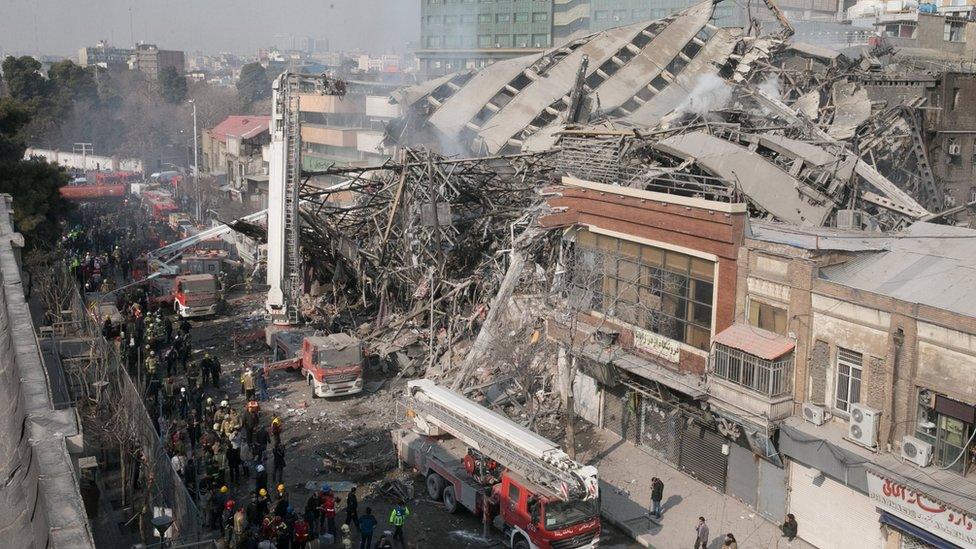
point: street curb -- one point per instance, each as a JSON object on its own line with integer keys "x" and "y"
{"x": 626, "y": 529}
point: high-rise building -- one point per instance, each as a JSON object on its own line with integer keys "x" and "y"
{"x": 105, "y": 56}
{"x": 151, "y": 60}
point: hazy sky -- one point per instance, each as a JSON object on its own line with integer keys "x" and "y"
{"x": 241, "y": 26}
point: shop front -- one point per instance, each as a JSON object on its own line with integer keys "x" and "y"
{"x": 918, "y": 519}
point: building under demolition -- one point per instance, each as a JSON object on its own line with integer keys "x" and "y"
{"x": 729, "y": 240}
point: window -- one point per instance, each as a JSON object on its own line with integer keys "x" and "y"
{"x": 503, "y": 40}
{"x": 601, "y": 15}
{"x": 467, "y": 18}
{"x": 484, "y": 41}
{"x": 947, "y": 425}
{"x": 540, "y": 17}
{"x": 767, "y": 377}
{"x": 849, "y": 365}
{"x": 540, "y": 40}
{"x": 665, "y": 292}
{"x": 484, "y": 18}
{"x": 955, "y": 98}
{"x": 433, "y": 41}
{"x": 521, "y": 17}
{"x": 640, "y": 14}
{"x": 503, "y": 17}
{"x": 954, "y": 31}
{"x": 619, "y": 15}
{"x": 767, "y": 317}
{"x": 513, "y": 495}
{"x": 450, "y": 19}
{"x": 521, "y": 40}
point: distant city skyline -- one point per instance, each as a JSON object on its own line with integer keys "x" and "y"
{"x": 55, "y": 27}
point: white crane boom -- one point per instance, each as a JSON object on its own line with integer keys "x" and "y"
{"x": 440, "y": 410}
{"x": 160, "y": 258}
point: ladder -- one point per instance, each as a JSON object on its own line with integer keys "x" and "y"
{"x": 293, "y": 173}
{"x": 553, "y": 471}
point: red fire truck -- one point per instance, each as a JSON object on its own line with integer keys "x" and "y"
{"x": 472, "y": 457}
{"x": 332, "y": 365}
{"x": 195, "y": 295}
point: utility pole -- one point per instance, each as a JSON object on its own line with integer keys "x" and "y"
{"x": 196, "y": 185}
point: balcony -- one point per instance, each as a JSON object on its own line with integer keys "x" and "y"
{"x": 751, "y": 370}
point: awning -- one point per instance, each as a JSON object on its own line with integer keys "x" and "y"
{"x": 916, "y": 532}
{"x": 688, "y": 384}
{"x": 755, "y": 341}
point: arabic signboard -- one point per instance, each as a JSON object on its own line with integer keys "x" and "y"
{"x": 656, "y": 344}
{"x": 916, "y": 508}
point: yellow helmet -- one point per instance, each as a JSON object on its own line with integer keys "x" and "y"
{"x": 224, "y": 490}
{"x": 262, "y": 492}
{"x": 281, "y": 488}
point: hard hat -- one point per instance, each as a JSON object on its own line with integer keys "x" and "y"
{"x": 345, "y": 528}
{"x": 224, "y": 404}
{"x": 326, "y": 488}
{"x": 224, "y": 489}
{"x": 281, "y": 488}
{"x": 262, "y": 492}
{"x": 260, "y": 468}
{"x": 209, "y": 400}
{"x": 152, "y": 353}
{"x": 183, "y": 390}
{"x": 230, "y": 505}
{"x": 291, "y": 509}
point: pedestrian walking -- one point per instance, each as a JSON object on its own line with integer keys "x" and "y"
{"x": 701, "y": 534}
{"x": 278, "y": 474}
{"x": 730, "y": 542}
{"x": 657, "y": 494}
{"x": 352, "y": 509}
{"x": 398, "y": 516}
{"x": 367, "y": 525}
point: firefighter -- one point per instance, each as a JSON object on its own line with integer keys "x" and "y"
{"x": 398, "y": 516}
{"x": 247, "y": 384}
{"x": 328, "y": 509}
{"x": 276, "y": 426}
{"x": 150, "y": 367}
{"x": 193, "y": 375}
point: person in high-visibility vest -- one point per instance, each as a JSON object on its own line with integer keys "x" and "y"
{"x": 397, "y": 517}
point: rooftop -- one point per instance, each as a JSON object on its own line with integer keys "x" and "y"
{"x": 244, "y": 127}
{"x": 930, "y": 264}
{"x": 755, "y": 341}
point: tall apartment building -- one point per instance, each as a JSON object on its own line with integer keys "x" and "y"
{"x": 103, "y": 55}
{"x": 151, "y": 60}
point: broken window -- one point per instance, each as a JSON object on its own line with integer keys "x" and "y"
{"x": 767, "y": 317}
{"x": 663, "y": 291}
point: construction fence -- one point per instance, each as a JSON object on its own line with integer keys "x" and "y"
{"x": 101, "y": 378}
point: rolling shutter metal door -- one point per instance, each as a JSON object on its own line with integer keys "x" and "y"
{"x": 772, "y": 491}
{"x": 618, "y": 412}
{"x": 702, "y": 457}
{"x": 831, "y": 515}
{"x": 743, "y": 478}
{"x": 660, "y": 430}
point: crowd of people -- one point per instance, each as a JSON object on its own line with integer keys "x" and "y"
{"x": 221, "y": 452}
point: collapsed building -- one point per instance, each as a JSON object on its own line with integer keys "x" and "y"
{"x": 665, "y": 224}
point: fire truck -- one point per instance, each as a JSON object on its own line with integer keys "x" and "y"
{"x": 524, "y": 484}
{"x": 195, "y": 295}
{"x": 332, "y": 365}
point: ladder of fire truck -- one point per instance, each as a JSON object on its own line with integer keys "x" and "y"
{"x": 504, "y": 441}
{"x": 168, "y": 252}
{"x": 293, "y": 174}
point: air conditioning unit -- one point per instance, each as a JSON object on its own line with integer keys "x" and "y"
{"x": 955, "y": 149}
{"x": 813, "y": 413}
{"x": 916, "y": 451}
{"x": 863, "y": 426}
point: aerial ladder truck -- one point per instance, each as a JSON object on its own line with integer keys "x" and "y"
{"x": 520, "y": 482}
{"x": 284, "y": 186}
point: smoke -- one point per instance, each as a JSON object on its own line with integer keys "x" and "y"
{"x": 710, "y": 92}
{"x": 771, "y": 87}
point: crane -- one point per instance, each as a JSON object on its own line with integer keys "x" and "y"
{"x": 161, "y": 258}
{"x": 284, "y": 184}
